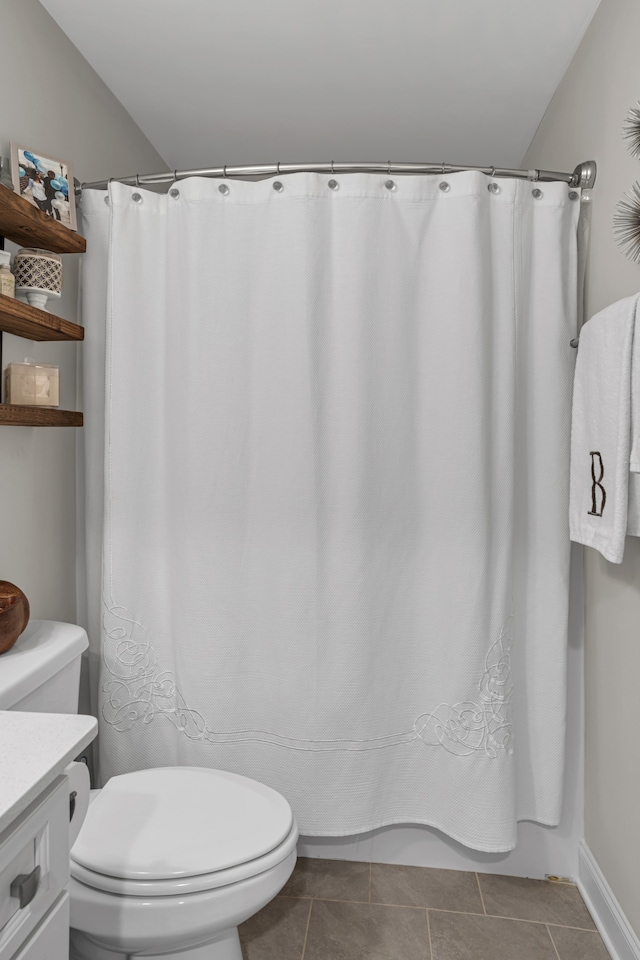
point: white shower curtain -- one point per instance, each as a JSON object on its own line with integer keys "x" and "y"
{"x": 330, "y": 431}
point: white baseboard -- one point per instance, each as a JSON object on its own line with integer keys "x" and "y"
{"x": 616, "y": 931}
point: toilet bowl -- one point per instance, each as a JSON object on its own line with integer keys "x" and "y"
{"x": 170, "y": 860}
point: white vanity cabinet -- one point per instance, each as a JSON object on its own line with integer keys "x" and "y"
{"x": 35, "y": 806}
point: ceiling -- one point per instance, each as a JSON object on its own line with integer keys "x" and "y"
{"x": 241, "y": 81}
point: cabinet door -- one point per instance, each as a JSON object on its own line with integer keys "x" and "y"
{"x": 50, "y": 941}
{"x": 34, "y": 866}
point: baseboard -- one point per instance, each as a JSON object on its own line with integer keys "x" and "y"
{"x": 616, "y": 931}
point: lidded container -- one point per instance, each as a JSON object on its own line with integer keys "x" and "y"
{"x": 38, "y": 276}
{"x": 32, "y": 384}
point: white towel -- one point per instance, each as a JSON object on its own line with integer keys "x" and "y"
{"x": 605, "y": 431}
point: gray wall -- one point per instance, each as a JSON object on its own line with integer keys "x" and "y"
{"x": 52, "y": 101}
{"x": 583, "y": 122}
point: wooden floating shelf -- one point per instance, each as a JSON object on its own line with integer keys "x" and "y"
{"x": 28, "y": 226}
{"x": 12, "y": 414}
{"x": 22, "y": 320}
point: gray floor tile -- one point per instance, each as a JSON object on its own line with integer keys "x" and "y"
{"x": 328, "y": 880}
{"x": 578, "y": 944}
{"x": 362, "y": 931}
{"x": 423, "y": 887}
{"x": 539, "y": 900}
{"x": 277, "y": 932}
{"x": 459, "y": 936}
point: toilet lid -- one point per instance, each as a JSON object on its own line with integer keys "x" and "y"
{"x": 179, "y": 822}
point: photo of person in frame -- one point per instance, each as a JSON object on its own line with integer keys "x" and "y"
{"x": 46, "y": 183}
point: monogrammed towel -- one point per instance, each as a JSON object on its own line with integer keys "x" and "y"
{"x": 605, "y": 431}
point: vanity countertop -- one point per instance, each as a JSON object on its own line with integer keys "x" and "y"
{"x": 34, "y": 749}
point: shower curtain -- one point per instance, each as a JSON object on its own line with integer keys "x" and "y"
{"x": 327, "y": 480}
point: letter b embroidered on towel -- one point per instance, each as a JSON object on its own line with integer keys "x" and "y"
{"x": 597, "y": 485}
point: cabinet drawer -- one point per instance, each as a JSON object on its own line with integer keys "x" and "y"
{"x": 34, "y": 866}
{"x": 22, "y": 866}
{"x": 51, "y": 939}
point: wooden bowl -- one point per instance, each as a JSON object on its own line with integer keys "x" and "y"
{"x": 14, "y": 614}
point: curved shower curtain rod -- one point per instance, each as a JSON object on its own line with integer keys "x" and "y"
{"x": 583, "y": 176}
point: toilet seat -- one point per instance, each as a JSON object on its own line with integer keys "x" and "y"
{"x": 176, "y": 830}
{"x": 183, "y": 885}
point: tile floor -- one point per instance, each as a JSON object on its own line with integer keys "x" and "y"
{"x": 339, "y": 910}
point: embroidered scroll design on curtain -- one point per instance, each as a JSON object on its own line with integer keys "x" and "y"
{"x": 139, "y": 690}
{"x": 485, "y": 725}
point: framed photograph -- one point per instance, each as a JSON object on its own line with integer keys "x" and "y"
{"x": 45, "y": 182}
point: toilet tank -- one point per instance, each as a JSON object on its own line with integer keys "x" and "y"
{"x": 41, "y": 672}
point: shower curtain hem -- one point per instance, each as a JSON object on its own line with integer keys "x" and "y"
{"x": 397, "y": 821}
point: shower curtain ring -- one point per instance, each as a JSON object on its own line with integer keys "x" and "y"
{"x": 332, "y": 170}
{"x": 388, "y": 168}
{"x": 224, "y": 171}
{"x": 137, "y": 179}
{"x": 278, "y": 168}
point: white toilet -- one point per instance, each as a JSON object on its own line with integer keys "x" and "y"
{"x": 170, "y": 860}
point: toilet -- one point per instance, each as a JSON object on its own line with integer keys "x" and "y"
{"x": 169, "y": 861}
